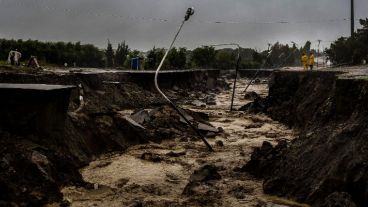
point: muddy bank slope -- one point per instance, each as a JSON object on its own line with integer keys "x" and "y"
{"x": 95, "y": 125}
{"x": 327, "y": 165}
{"x": 33, "y": 167}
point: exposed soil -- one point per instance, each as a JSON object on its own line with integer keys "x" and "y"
{"x": 34, "y": 167}
{"x": 181, "y": 171}
{"x": 327, "y": 164}
{"x": 133, "y": 150}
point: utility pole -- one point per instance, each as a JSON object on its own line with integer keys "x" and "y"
{"x": 318, "y": 56}
{"x": 352, "y": 18}
{"x": 323, "y": 58}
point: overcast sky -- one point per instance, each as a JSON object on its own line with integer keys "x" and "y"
{"x": 145, "y": 23}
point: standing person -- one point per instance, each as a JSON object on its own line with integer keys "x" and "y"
{"x": 11, "y": 57}
{"x": 17, "y": 57}
{"x": 311, "y": 60}
{"x": 305, "y": 61}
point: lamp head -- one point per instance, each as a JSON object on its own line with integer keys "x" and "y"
{"x": 190, "y": 12}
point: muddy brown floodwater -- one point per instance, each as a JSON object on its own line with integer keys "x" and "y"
{"x": 124, "y": 179}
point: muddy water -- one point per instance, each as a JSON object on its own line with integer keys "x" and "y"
{"x": 127, "y": 180}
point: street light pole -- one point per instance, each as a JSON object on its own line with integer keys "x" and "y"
{"x": 352, "y": 18}
{"x": 318, "y": 56}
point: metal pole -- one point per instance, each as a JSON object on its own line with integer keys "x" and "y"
{"x": 256, "y": 74}
{"x": 352, "y": 18}
{"x": 236, "y": 77}
{"x": 236, "y": 70}
{"x": 190, "y": 12}
{"x": 319, "y": 42}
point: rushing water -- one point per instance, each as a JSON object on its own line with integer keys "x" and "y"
{"x": 124, "y": 178}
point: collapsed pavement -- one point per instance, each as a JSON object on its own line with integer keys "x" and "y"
{"x": 164, "y": 123}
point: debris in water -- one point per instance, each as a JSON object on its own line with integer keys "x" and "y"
{"x": 149, "y": 156}
{"x": 198, "y": 103}
{"x": 203, "y": 174}
{"x": 220, "y": 143}
{"x": 263, "y": 158}
{"x": 251, "y": 95}
{"x": 205, "y": 127}
{"x": 259, "y": 105}
{"x": 141, "y": 117}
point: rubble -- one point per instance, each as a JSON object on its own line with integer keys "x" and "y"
{"x": 34, "y": 168}
{"x": 263, "y": 159}
{"x": 188, "y": 117}
{"x": 198, "y": 103}
{"x": 30, "y": 174}
{"x": 210, "y": 100}
{"x": 203, "y": 174}
{"x": 259, "y": 105}
{"x": 133, "y": 123}
{"x": 141, "y": 117}
{"x": 251, "y": 95}
{"x": 164, "y": 122}
{"x": 176, "y": 154}
{"x": 207, "y": 128}
{"x": 220, "y": 143}
{"x": 168, "y": 164}
{"x": 149, "y": 156}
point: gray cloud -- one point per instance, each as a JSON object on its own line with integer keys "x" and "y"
{"x": 251, "y": 23}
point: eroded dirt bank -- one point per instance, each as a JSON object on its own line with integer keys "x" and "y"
{"x": 327, "y": 164}
{"x": 34, "y": 167}
{"x": 180, "y": 171}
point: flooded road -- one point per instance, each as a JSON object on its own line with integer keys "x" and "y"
{"x": 128, "y": 180}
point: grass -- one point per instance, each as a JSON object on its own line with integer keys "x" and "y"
{"x": 3, "y": 63}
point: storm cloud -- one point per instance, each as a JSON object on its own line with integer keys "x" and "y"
{"x": 147, "y": 23}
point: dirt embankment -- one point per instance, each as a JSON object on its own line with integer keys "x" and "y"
{"x": 180, "y": 171}
{"x": 327, "y": 165}
{"x": 33, "y": 168}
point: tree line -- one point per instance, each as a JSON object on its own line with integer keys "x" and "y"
{"x": 351, "y": 50}
{"x": 87, "y": 55}
{"x": 55, "y": 53}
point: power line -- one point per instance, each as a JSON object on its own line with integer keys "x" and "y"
{"x": 276, "y": 22}
{"x": 37, "y": 4}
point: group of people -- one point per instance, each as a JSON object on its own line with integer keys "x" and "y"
{"x": 15, "y": 56}
{"x": 308, "y": 62}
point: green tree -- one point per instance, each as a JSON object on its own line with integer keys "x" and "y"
{"x": 109, "y": 55}
{"x": 351, "y": 50}
{"x": 307, "y": 47}
{"x": 204, "y": 57}
{"x": 225, "y": 59}
{"x": 177, "y": 58}
{"x": 258, "y": 57}
{"x": 121, "y": 54}
{"x": 151, "y": 59}
{"x": 154, "y": 57}
{"x": 160, "y": 52}
{"x": 55, "y": 53}
{"x": 284, "y": 55}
